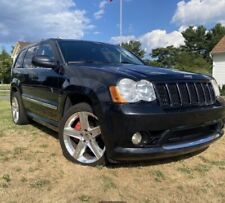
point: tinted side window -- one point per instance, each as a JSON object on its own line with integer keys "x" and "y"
{"x": 19, "y": 60}
{"x": 28, "y": 58}
{"x": 45, "y": 50}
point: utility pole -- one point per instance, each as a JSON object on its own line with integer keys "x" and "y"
{"x": 121, "y": 21}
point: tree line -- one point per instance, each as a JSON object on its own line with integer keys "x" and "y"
{"x": 5, "y": 66}
{"x": 193, "y": 56}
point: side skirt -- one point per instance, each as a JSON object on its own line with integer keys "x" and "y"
{"x": 45, "y": 122}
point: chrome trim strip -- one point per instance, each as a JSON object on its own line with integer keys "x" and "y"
{"x": 192, "y": 144}
{"x": 40, "y": 102}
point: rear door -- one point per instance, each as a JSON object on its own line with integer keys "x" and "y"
{"x": 19, "y": 76}
{"x": 30, "y": 82}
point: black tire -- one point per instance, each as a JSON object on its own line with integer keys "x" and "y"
{"x": 81, "y": 107}
{"x": 22, "y": 116}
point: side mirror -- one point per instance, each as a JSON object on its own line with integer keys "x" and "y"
{"x": 43, "y": 61}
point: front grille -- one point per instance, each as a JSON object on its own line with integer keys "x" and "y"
{"x": 181, "y": 94}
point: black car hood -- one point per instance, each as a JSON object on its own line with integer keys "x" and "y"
{"x": 136, "y": 72}
{"x": 152, "y": 73}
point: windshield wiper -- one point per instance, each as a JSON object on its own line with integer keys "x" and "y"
{"x": 80, "y": 62}
{"x": 126, "y": 62}
{"x": 87, "y": 62}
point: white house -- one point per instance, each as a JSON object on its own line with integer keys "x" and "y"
{"x": 218, "y": 56}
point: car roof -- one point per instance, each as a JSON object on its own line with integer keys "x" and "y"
{"x": 63, "y": 40}
{"x": 78, "y": 40}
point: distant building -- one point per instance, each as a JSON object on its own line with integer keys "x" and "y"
{"x": 19, "y": 45}
{"x": 218, "y": 56}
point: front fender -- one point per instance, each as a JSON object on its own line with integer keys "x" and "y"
{"x": 96, "y": 92}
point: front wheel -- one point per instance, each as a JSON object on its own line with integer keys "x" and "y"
{"x": 80, "y": 136}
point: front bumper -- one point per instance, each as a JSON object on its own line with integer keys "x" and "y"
{"x": 125, "y": 154}
{"x": 122, "y": 121}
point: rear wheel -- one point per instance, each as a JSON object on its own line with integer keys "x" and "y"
{"x": 80, "y": 136}
{"x": 18, "y": 112}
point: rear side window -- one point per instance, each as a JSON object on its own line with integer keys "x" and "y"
{"x": 28, "y": 58}
{"x": 45, "y": 50}
{"x": 19, "y": 60}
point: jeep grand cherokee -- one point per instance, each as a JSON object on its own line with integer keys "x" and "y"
{"x": 108, "y": 106}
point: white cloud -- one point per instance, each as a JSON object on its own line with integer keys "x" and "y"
{"x": 154, "y": 39}
{"x": 34, "y": 20}
{"x": 118, "y": 39}
{"x": 101, "y": 10}
{"x": 97, "y": 33}
{"x": 195, "y": 12}
{"x": 160, "y": 38}
{"x": 182, "y": 28}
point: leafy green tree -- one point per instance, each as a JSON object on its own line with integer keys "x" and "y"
{"x": 201, "y": 41}
{"x": 192, "y": 62}
{"x": 5, "y": 65}
{"x": 135, "y": 48}
{"x": 194, "y": 56}
{"x": 196, "y": 40}
{"x": 166, "y": 57}
{"x": 180, "y": 58}
{"x": 214, "y": 36}
{"x": 152, "y": 63}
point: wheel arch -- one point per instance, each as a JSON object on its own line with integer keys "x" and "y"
{"x": 13, "y": 89}
{"x": 83, "y": 96}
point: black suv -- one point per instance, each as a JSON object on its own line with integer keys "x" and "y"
{"x": 107, "y": 105}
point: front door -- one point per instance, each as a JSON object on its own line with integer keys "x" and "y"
{"x": 42, "y": 93}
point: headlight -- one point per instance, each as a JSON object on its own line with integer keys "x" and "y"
{"x": 129, "y": 91}
{"x": 216, "y": 88}
{"x": 145, "y": 91}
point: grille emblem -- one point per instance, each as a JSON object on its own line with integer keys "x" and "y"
{"x": 188, "y": 76}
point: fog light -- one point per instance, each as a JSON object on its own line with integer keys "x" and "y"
{"x": 136, "y": 138}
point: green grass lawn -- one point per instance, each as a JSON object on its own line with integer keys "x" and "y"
{"x": 33, "y": 169}
{"x": 4, "y": 86}
{"x": 4, "y": 91}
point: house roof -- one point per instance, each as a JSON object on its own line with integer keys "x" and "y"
{"x": 23, "y": 44}
{"x": 19, "y": 45}
{"x": 220, "y": 47}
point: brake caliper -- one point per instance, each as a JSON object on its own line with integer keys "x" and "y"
{"x": 77, "y": 126}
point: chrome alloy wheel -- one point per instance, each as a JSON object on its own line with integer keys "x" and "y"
{"x": 15, "y": 109}
{"x": 82, "y": 138}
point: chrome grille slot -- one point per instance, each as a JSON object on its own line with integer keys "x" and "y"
{"x": 185, "y": 94}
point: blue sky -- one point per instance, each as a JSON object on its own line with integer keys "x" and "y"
{"x": 140, "y": 16}
{"x": 156, "y": 23}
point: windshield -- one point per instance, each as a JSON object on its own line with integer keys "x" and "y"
{"x": 92, "y": 52}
